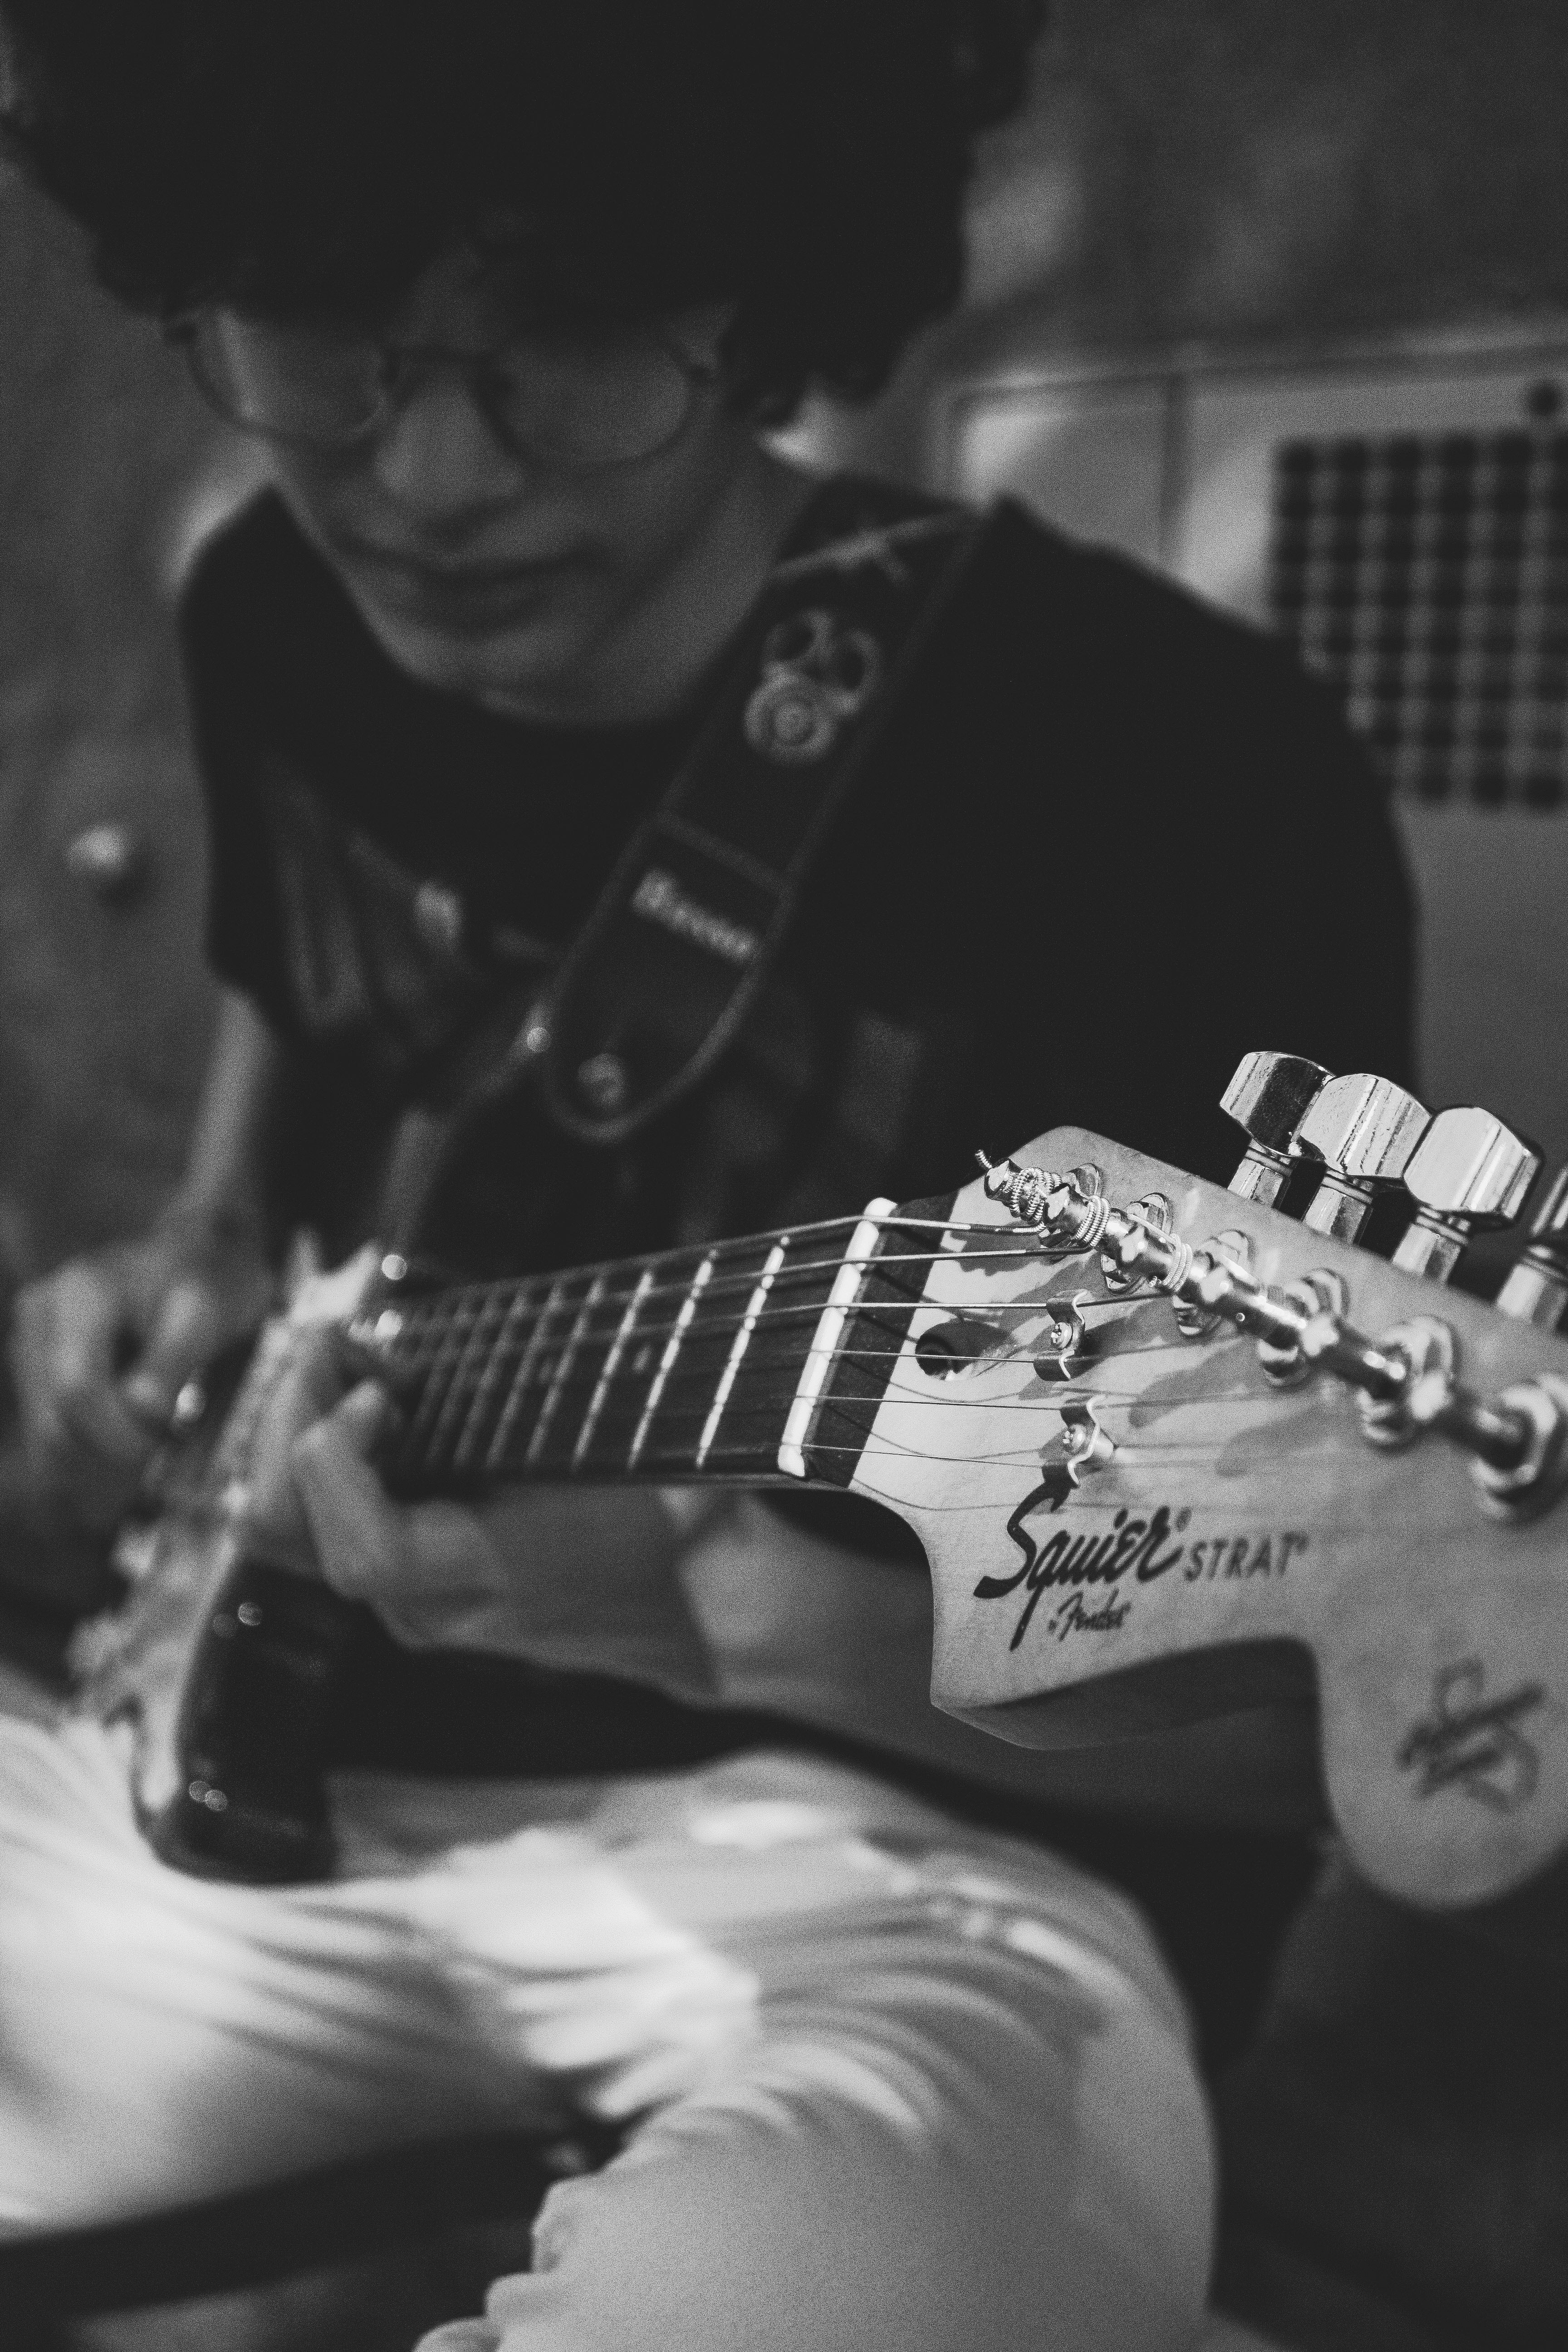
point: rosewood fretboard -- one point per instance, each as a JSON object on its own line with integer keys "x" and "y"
{"x": 673, "y": 1367}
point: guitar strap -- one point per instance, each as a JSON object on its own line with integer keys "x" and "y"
{"x": 687, "y": 931}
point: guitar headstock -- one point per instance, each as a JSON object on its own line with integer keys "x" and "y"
{"x": 1154, "y": 1458}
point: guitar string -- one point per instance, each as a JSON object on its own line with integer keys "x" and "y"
{"x": 812, "y": 1229}
{"x": 464, "y": 1335}
{"x": 455, "y": 1347}
{"x": 468, "y": 1387}
{"x": 774, "y": 1320}
{"x": 671, "y": 1450}
{"x": 769, "y": 1320}
{"x": 437, "y": 1315}
{"x": 646, "y": 1336}
{"x": 757, "y": 1245}
{"x": 693, "y": 1252}
{"x": 1082, "y": 1380}
{"x": 458, "y": 1409}
{"x": 473, "y": 1320}
{"x": 415, "y": 1349}
{"x": 468, "y": 1361}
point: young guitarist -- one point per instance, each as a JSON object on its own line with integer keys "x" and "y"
{"x": 512, "y": 294}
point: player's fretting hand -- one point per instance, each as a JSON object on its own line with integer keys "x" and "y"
{"x": 572, "y": 1578}
{"x": 101, "y": 1347}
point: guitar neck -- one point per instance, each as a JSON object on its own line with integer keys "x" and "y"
{"x": 724, "y": 1362}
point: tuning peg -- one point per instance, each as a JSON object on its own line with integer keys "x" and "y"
{"x": 1268, "y": 1097}
{"x": 1468, "y": 1174}
{"x": 1536, "y": 1290}
{"x": 1363, "y": 1130}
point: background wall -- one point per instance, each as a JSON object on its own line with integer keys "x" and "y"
{"x": 101, "y": 1007}
{"x": 1254, "y": 174}
{"x": 1260, "y": 175}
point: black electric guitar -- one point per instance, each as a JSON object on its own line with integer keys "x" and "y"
{"x": 1151, "y": 1435}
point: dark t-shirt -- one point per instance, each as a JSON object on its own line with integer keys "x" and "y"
{"x": 1109, "y": 842}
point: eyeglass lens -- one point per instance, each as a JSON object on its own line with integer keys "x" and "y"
{"x": 582, "y": 393}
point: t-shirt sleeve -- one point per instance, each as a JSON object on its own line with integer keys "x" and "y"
{"x": 1203, "y": 864}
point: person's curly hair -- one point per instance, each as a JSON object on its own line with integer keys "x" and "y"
{"x": 806, "y": 159}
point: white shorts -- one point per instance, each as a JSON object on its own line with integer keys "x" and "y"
{"x": 890, "y": 2084}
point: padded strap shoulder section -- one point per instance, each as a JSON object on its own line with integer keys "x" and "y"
{"x": 655, "y": 986}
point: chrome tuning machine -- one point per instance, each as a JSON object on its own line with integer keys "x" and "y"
{"x": 1363, "y": 1132}
{"x": 1268, "y": 1097}
{"x": 1468, "y": 1174}
{"x": 1536, "y": 1289}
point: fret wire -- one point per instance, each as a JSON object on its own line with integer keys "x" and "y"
{"x": 418, "y": 1360}
{"x": 461, "y": 1392}
{"x": 763, "y": 1314}
{"x": 454, "y": 1299}
{"x": 427, "y": 1412}
{"x": 1047, "y": 1400}
{"x": 454, "y": 1324}
{"x": 518, "y": 1386}
{"x": 421, "y": 1308}
{"x": 417, "y": 1308}
{"x": 611, "y": 1364}
{"x": 563, "y": 1369}
{"x": 748, "y": 1321}
{"x": 666, "y": 1361}
{"x": 672, "y": 1448}
{"x": 775, "y": 1316}
{"x": 617, "y": 1299}
{"x": 490, "y": 1383}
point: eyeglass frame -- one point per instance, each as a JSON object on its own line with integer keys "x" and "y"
{"x": 181, "y": 333}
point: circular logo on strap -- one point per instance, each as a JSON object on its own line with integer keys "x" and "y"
{"x": 817, "y": 675}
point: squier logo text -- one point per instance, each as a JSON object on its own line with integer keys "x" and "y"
{"x": 1140, "y": 1547}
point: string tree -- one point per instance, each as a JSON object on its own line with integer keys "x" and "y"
{"x": 1087, "y": 1447}
{"x": 1065, "y": 1348}
{"x": 1267, "y": 1098}
{"x": 1361, "y": 1131}
{"x": 1536, "y": 1288}
{"x": 1468, "y": 1174}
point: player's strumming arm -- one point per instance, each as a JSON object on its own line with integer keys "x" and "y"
{"x": 102, "y": 1346}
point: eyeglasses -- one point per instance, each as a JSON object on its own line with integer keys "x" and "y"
{"x": 577, "y": 395}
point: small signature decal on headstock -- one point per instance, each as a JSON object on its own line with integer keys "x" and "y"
{"x": 1475, "y": 1743}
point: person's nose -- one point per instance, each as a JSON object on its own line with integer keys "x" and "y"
{"x": 440, "y": 459}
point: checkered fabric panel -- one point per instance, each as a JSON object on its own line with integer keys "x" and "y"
{"x": 1425, "y": 578}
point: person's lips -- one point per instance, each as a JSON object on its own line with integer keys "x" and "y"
{"x": 460, "y": 596}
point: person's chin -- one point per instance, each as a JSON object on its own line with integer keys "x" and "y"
{"x": 518, "y": 643}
